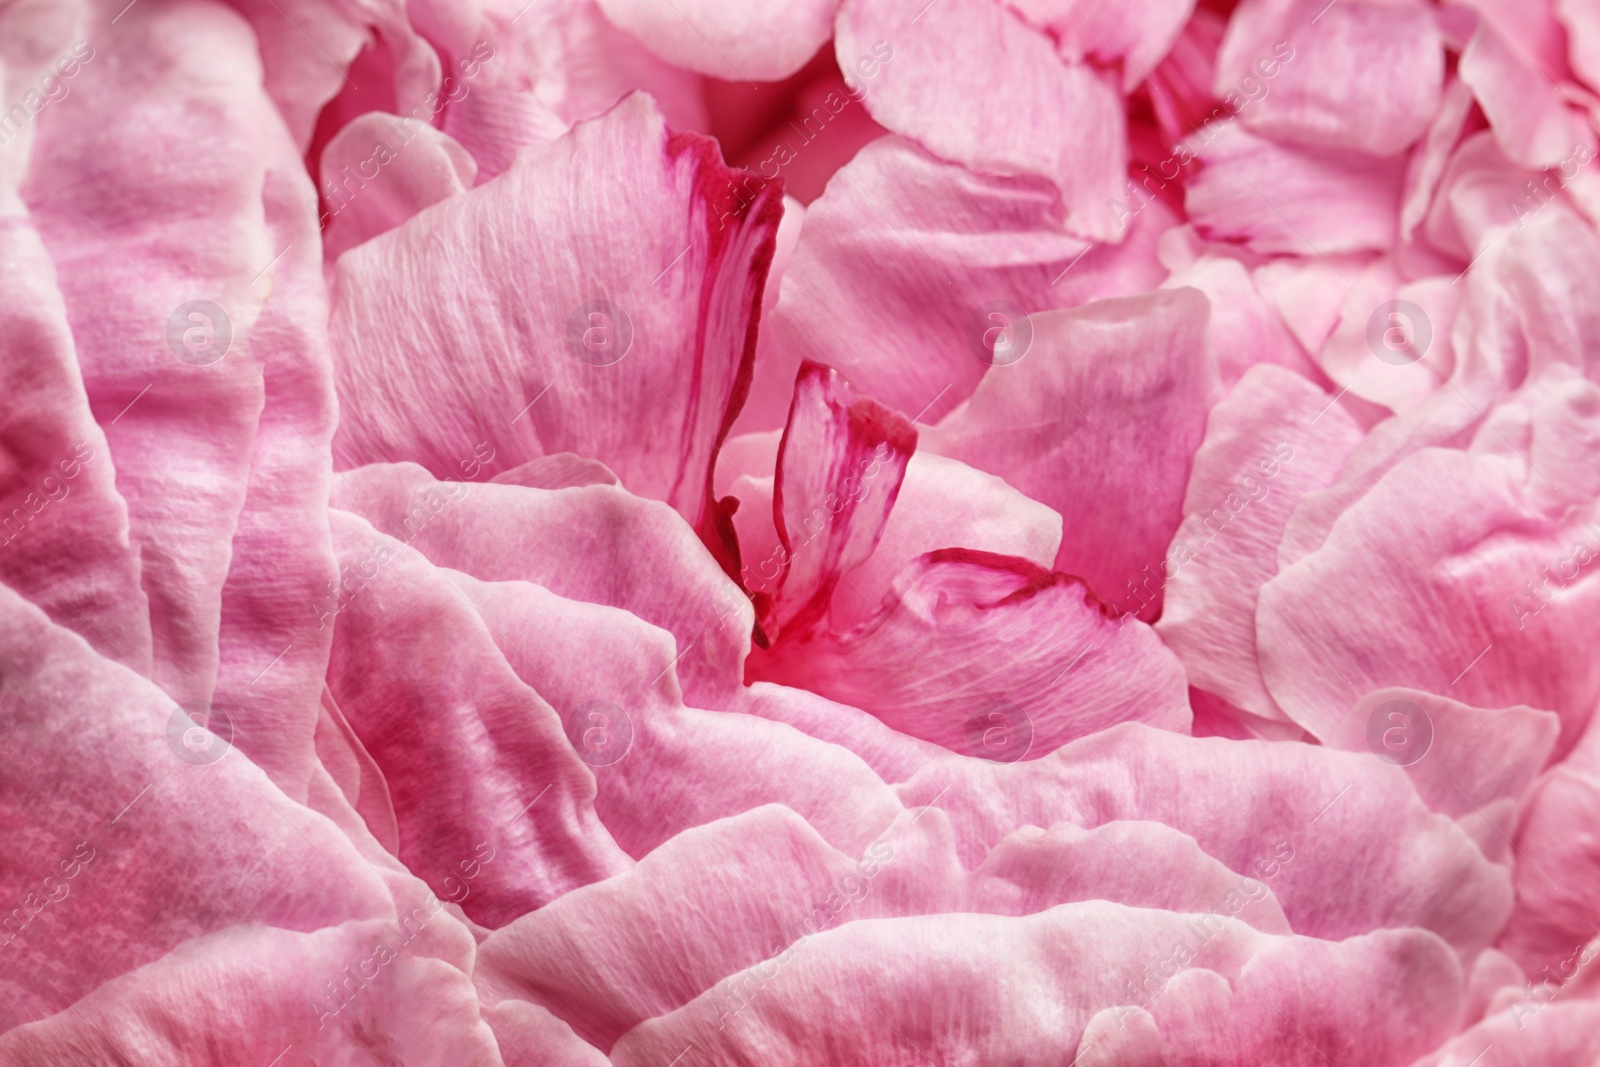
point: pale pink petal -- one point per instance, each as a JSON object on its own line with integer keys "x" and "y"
{"x": 249, "y": 993}
{"x": 519, "y": 74}
{"x": 766, "y": 40}
{"x": 594, "y": 543}
{"x": 990, "y": 656}
{"x": 471, "y": 756}
{"x": 661, "y": 767}
{"x": 1439, "y": 549}
{"x": 1511, "y": 63}
{"x": 946, "y": 504}
{"x": 1361, "y": 75}
{"x": 1137, "y": 36}
{"x": 1476, "y": 764}
{"x": 561, "y": 470}
{"x": 1383, "y": 350}
{"x": 273, "y": 647}
{"x": 904, "y": 991}
{"x": 896, "y": 312}
{"x": 315, "y": 52}
{"x": 1582, "y": 23}
{"x": 892, "y": 755}
{"x": 63, "y": 526}
{"x": 1531, "y": 1033}
{"x": 139, "y": 234}
{"x": 123, "y": 791}
{"x": 1428, "y": 163}
{"x": 1244, "y": 328}
{"x": 1098, "y": 421}
{"x": 637, "y": 356}
{"x": 1275, "y": 438}
{"x": 1277, "y": 198}
{"x": 1298, "y": 816}
{"x": 1558, "y": 866}
{"x": 380, "y": 169}
{"x": 1038, "y": 115}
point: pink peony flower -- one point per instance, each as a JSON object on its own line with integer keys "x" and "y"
{"x": 675, "y": 532}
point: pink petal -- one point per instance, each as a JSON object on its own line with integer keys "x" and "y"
{"x": 991, "y": 656}
{"x": 1301, "y": 201}
{"x": 248, "y": 993}
{"x": 859, "y": 272}
{"x": 596, "y": 544}
{"x": 767, "y": 40}
{"x": 1098, "y": 421}
{"x": 1298, "y": 816}
{"x": 1438, "y": 549}
{"x": 1361, "y": 75}
{"x": 1510, "y": 63}
{"x": 946, "y": 504}
{"x": 1081, "y": 147}
{"x": 471, "y": 756}
{"x": 137, "y": 233}
{"x": 509, "y": 329}
{"x": 905, "y": 990}
{"x": 520, "y": 74}
{"x": 124, "y": 792}
{"x": 413, "y": 165}
{"x": 1105, "y": 33}
{"x": 1275, "y": 438}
